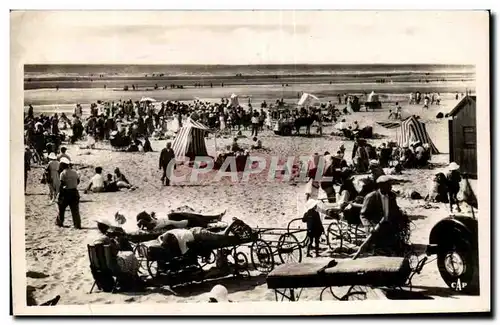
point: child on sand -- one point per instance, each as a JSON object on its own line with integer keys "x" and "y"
{"x": 314, "y": 226}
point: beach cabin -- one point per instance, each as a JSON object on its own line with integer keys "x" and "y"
{"x": 463, "y": 136}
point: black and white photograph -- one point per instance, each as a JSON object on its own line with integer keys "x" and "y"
{"x": 218, "y": 158}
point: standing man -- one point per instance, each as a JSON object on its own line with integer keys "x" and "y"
{"x": 166, "y": 156}
{"x": 68, "y": 194}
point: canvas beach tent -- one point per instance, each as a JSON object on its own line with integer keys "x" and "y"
{"x": 372, "y": 98}
{"x": 307, "y": 100}
{"x": 147, "y": 99}
{"x": 410, "y": 130}
{"x": 234, "y": 100}
{"x": 190, "y": 140}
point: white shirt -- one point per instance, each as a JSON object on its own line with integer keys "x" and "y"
{"x": 97, "y": 181}
{"x": 255, "y": 120}
{"x": 183, "y": 236}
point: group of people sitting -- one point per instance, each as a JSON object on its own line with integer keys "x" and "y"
{"x": 371, "y": 204}
{"x": 112, "y": 183}
{"x": 414, "y": 155}
{"x": 445, "y": 187}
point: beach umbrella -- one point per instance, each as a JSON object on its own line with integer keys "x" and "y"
{"x": 147, "y": 99}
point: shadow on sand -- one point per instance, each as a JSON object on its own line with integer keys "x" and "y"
{"x": 232, "y": 284}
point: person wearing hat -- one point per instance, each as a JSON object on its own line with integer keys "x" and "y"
{"x": 314, "y": 226}
{"x": 380, "y": 206}
{"x": 68, "y": 194}
{"x": 218, "y": 293}
{"x": 375, "y": 169}
{"x": 422, "y": 155}
{"x": 167, "y": 156}
{"x": 52, "y": 177}
{"x": 347, "y": 189}
{"x": 453, "y": 178}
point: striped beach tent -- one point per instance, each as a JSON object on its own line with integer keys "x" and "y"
{"x": 389, "y": 125}
{"x": 411, "y": 130}
{"x": 190, "y": 140}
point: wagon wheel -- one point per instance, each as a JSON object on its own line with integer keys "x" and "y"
{"x": 352, "y": 294}
{"x": 240, "y": 263}
{"x": 334, "y": 236}
{"x": 141, "y": 253}
{"x": 289, "y": 249}
{"x": 153, "y": 268}
{"x": 208, "y": 259}
{"x": 262, "y": 256}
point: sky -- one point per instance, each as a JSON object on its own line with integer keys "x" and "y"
{"x": 249, "y": 37}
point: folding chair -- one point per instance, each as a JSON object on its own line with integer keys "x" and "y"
{"x": 103, "y": 266}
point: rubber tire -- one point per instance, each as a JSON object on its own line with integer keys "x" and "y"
{"x": 471, "y": 263}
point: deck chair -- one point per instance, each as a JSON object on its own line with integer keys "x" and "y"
{"x": 103, "y": 266}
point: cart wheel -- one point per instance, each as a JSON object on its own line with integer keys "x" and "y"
{"x": 262, "y": 256}
{"x": 241, "y": 263}
{"x": 459, "y": 268}
{"x": 289, "y": 249}
{"x": 334, "y": 236}
{"x": 141, "y": 253}
{"x": 153, "y": 268}
{"x": 353, "y": 293}
{"x": 206, "y": 260}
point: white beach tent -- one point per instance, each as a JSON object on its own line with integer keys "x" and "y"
{"x": 307, "y": 99}
{"x": 234, "y": 100}
{"x": 372, "y": 97}
{"x": 147, "y": 99}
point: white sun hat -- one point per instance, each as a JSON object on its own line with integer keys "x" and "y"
{"x": 65, "y": 160}
{"x": 52, "y": 156}
{"x": 311, "y": 204}
{"x": 453, "y": 166}
{"x": 219, "y": 293}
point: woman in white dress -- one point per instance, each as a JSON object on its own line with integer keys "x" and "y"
{"x": 222, "y": 123}
{"x": 52, "y": 177}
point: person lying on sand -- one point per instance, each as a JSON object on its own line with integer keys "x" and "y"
{"x": 176, "y": 240}
{"x": 150, "y": 222}
{"x": 96, "y": 184}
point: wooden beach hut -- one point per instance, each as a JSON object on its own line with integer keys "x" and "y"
{"x": 463, "y": 136}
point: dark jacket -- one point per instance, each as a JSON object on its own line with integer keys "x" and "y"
{"x": 166, "y": 156}
{"x": 314, "y": 224}
{"x": 372, "y": 211}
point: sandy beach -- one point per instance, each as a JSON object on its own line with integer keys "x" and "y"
{"x": 61, "y": 253}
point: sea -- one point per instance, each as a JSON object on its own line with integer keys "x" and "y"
{"x": 388, "y": 70}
